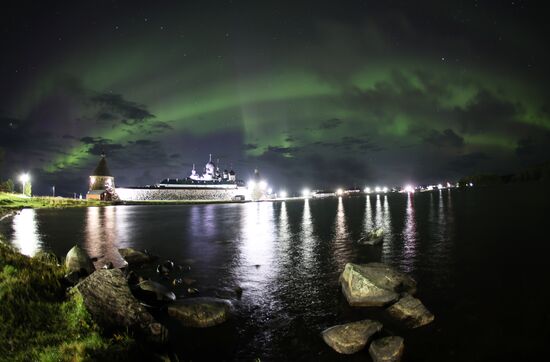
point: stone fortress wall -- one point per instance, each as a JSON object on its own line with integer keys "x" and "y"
{"x": 144, "y": 194}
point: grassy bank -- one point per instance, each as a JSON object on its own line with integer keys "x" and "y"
{"x": 18, "y": 201}
{"x": 40, "y": 322}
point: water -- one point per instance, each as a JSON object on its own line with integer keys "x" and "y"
{"x": 479, "y": 255}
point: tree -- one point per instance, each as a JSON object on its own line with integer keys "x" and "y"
{"x": 28, "y": 189}
{"x": 7, "y": 186}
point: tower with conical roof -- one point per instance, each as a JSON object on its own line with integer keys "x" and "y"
{"x": 102, "y": 183}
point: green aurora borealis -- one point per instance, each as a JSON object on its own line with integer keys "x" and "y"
{"x": 377, "y": 96}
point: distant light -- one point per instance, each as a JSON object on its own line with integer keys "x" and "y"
{"x": 283, "y": 194}
{"x": 409, "y": 189}
{"x": 263, "y": 185}
{"x": 251, "y": 184}
{"x": 429, "y": 188}
{"x": 385, "y": 189}
{"x": 270, "y": 190}
{"x": 339, "y": 192}
{"x": 471, "y": 184}
{"x": 440, "y": 186}
{"x": 448, "y": 184}
{"x": 24, "y": 178}
{"x": 367, "y": 190}
{"x": 306, "y": 192}
{"x": 377, "y": 189}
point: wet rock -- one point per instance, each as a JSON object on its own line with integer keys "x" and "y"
{"x": 374, "y": 284}
{"x": 373, "y": 237}
{"x": 108, "y": 265}
{"x": 162, "y": 269}
{"x": 411, "y": 311}
{"x": 387, "y": 349}
{"x": 160, "y": 292}
{"x": 109, "y": 301}
{"x": 351, "y": 337}
{"x": 135, "y": 257}
{"x": 77, "y": 260}
{"x": 200, "y": 312}
{"x": 192, "y": 290}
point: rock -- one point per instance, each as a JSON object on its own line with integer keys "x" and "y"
{"x": 411, "y": 311}
{"x": 351, "y": 337}
{"x": 109, "y": 301}
{"x": 200, "y": 312}
{"x": 108, "y": 265}
{"x": 161, "y": 292}
{"x": 373, "y": 237}
{"x": 163, "y": 269}
{"x": 192, "y": 290}
{"x": 387, "y": 349}
{"x": 77, "y": 260}
{"x": 135, "y": 257}
{"x": 374, "y": 284}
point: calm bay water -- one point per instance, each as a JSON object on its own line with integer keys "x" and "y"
{"x": 480, "y": 257}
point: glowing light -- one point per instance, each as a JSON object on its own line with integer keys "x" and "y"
{"x": 384, "y": 189}
{"x": 367, "y": 190}
{"x": 251, "y": 184}
{"x": 263, "y": 185}
{"x": 377, "y": 189}
{"x": 270, "y": 190}
{"x": 339, "y": 192}
{"x": 409, "y": 189}
{"x": 283, "y": 194}
{"x": 448, "y": 184}
{"x": 24, "y": 178}
{"x": 306, "y": 192}
{"x": 471, "y": 184}
{"x": 440, "y": 186}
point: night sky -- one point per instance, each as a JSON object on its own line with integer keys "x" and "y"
{"x": 323, "y": 95}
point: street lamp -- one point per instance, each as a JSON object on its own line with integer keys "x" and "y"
{"x": 24, "y": 178}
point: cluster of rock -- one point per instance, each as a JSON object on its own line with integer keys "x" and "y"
{"x": 116, "y": 298}
{"x": 377, "y": 285}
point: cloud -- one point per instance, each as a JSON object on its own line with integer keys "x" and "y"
{"x": 114, "y": 106}
{"x": 446, "y": 139}
{"x": 330, "y": 124}
{"x": 467, "y": 163}
{"x": 534, "y": 149}
{"x": 485, "y": 112}
{"x": 250, "y": 146}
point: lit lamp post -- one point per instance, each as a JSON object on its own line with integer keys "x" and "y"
{"x": 24, "y": 178}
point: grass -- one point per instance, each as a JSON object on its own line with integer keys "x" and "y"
{"x": 18, "y": 201}
{"x": 39, "y": 322}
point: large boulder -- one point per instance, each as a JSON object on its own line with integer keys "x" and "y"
{"x": 387, "y": 349}
{"x": 200, "y": 312}
{"x": 157, "y": 290}
{"x": 111, "y": 304}
{"x": 411, "y": 311}
{"x": 374, "y": 284}
{"x": 135, "y": 257}
{"x": 78, "y": 261}
{"x": 351, "y": 337}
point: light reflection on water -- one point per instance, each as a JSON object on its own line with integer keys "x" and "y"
{"x": 409, "y": 236}
{"x": 26, "y": 236}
